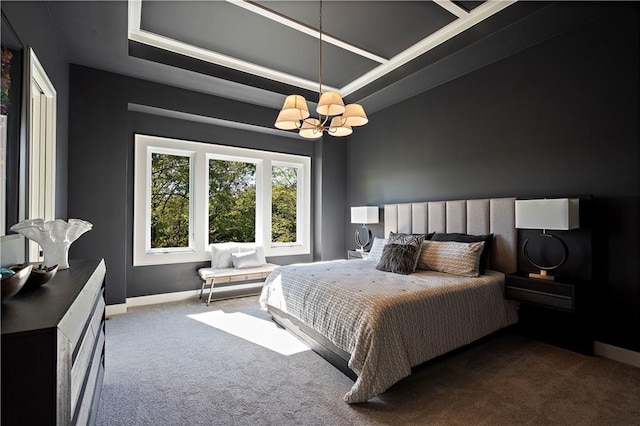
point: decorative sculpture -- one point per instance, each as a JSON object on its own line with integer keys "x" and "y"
{"x": 54, "y": 237}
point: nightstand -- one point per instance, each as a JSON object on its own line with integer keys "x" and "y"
{"x": 356, "y": 254}
{"x": 544, "y": 293}
{"x": 557, "y": 312}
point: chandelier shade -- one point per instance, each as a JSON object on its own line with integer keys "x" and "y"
{"x": 296, "y": 103}
{"x": 311, "y": 128}
{"x": 289, "y": 119}
{"x": 354, "y": 115}
{"x": 338, "y": 128}
{"x": 330, "y": 103}
{"x": 334, "y": 117}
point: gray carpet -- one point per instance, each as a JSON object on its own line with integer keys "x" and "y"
{"x": 164, "y": 367}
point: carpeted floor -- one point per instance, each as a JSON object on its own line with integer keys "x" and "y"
{"x": 188, "y": 364}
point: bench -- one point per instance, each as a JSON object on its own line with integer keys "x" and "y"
{"x": 224, "y": 256}
{"x": 213, "y": 276}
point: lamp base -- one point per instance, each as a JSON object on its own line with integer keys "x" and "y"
{"x": 363, "y": 236}
{"x": 542, "y": 275}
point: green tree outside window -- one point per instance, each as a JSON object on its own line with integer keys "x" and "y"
{"x": 170, "y": 177}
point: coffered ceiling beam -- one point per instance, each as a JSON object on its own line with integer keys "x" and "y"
{"x": 252, "y": 7}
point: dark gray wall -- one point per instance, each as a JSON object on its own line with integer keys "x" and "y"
{"x": 330, "y": 198}
{"x": 101, "y": 168}
{"x": 559, "y": 118}
{"x": 32, "y": 23}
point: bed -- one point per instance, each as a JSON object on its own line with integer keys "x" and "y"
{"x": 374, "y": 325}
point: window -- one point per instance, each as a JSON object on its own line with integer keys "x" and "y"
{"x": 188, "y": 195}
{"x": 170, "y": 201}
{"x": 232, "y": 201}
{"x": 284, "y": 204}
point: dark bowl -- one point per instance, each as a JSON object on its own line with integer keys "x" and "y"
{"x": 13, "y": 284}
{"x": 40, "y": 275}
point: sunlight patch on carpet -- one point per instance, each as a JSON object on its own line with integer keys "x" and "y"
{"x": 254, "y": 330}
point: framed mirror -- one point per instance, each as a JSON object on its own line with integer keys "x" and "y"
{"x": 12, "y": 135}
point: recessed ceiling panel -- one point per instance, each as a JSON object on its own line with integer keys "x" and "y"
{"x": 233, "y": 31}
{"x": 468, "y": 5}
{"x": 385, "y": 28}
{"x": 278, "y": 40}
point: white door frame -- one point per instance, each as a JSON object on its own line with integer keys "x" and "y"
{"x": 42, "y": 148}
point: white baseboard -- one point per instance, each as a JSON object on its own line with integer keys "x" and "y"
{"x": 174, "y": 297}
{"x": 615, "y": 353}
{"x": 161, "y": 298}
{"x": 112, "y": 310}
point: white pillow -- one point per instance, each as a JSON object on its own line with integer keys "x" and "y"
{"x": 451, "y": 257}
{"x": 221, "y": 253}
{"x": 376, "y": 249}
{"x": 248, "y": 259}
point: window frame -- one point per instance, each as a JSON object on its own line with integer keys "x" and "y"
{"x": 201, "y": 153}
{"x": 299, "y": 205}
{"x": 181, "y": 153}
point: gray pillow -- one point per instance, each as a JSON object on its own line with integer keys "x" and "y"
{"x": 414, "y": 240}
{"x": 398, "y": 258}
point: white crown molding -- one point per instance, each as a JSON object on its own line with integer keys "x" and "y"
{"x": 464, "y": 21}
{"x": 252, "y": 7}
{"x": 206, "y": 55}
{"x": 452, "y": 7}
{"x": 146, "y": 109}
{"x": 447, "y": 32}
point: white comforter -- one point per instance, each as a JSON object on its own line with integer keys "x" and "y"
{"x": 388, "y": 322}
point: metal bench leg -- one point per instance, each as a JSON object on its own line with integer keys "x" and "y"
{"x": 213, "y": 281}
{"x": 202, "y": 289}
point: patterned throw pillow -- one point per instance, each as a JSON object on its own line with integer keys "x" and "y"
{"x": 376, "y": 249}
{"x": 467, "y": 238}
{"x": 414, "y": 240}
{"x": 451, "y": 257}
{"x": 398, "y": 258}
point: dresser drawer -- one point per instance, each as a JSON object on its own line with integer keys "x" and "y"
{"x": 91, "y": 384}
{"x": 80, "y": 367}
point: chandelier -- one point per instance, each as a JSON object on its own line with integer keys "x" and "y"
{"x": 334, "y": 117}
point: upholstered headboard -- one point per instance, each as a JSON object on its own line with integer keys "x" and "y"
{"x": 478, "y": 217}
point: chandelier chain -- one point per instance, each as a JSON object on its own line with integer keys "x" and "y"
{"x": 334, "y": 116}
{"x": 320, "y": 60}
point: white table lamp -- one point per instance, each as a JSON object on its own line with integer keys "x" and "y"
{"x": 547, "y": 214}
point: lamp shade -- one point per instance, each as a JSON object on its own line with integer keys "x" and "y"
{"x": 337, "y": 128}
{"x": 354, "y": 115}
{"x": 330, "y": 103}
{"x": 552, "y": 214}
{"x": 365, "y": 214}
{"x": 311, "y": 128}
{"x": 289, "y": 119}
{"x": 298, "y": 104}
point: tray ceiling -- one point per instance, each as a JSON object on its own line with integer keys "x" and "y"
{"x": 363, "y": 41}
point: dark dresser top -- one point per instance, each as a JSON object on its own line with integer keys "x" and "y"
{"x": 44, "y": 307}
